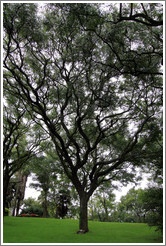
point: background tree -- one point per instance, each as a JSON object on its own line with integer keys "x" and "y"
{"x": 16, "y": 150}
{"x": 153, "y": 204}
{"x": 153, "y": 151}
{"x": 146, "y": 205}
{"x": 44, "y": 173}
{"x": 85, "y": 88}
{"x": 133, "y": 204}
{"x": 21, "y": 145}
{"x": 62, "y": 202}
{"x": 20, "y": 186}
{"x": 62, "y": 197}
{"x": 102, "y": 203}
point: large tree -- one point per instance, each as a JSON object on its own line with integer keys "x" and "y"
{"x": 91, "y": 81}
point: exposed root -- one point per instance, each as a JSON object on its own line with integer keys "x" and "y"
{"x": 81, "y": 232}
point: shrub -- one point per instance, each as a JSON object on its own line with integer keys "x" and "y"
{"x": 33, "y": 210}
{"x": 6, "y": 212}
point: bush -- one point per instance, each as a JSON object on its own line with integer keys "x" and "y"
{"x": 38, "y": 210}
{"x": 6, "y": 212}
{"x": 130, "y": 219}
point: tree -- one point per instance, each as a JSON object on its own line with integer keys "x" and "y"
{"x": 102, "y": 203}
{"x": 55, "y": 187}
{"x": 20, "y": 185}
{"x": 146, "y": 204}
{"x": 62, "y": 202}
{"x": 153, "y": 204}
{"x": 142, "y": 13}
{"x": 153, "y": 151}
{"x": 16, "y": 151}
{"x": 62, "y": 196}
{"x": 44, "y": 172}
{"x": 21, "y": 144}
{"x": 133, "y": 204}
{"x": 85, "y": 88}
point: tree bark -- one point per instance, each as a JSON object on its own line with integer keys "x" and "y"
{"x": 45, "y": 210}
{"x": 139, "y": 218}
{"x": 20, "y": 192}
{"x": 100, "y": 219}
{"x": 83, "y": 221}
{"x": 18, "y": 207}
{"x": 106, "y": 210}
{"x": 5, "y": 191}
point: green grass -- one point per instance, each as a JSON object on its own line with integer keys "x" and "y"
{"x": 40, "y": 230}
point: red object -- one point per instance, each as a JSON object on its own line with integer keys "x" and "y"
{"x": 28, "y": 215}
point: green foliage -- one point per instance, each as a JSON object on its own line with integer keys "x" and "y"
{"x": 102, "y": 203}
{"x": 30, "y": 205}
{"x": 146, "y": 205}
{"x": 153, "y": 204}
{"x": 21, "y": 18}
{"x": 132, "y": 205}
{"x": 29, "y": 202}
{"x": 33, "y": 209}
{"x": 6, "y": 212}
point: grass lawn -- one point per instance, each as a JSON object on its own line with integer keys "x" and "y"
{"x": 40, "y": 230}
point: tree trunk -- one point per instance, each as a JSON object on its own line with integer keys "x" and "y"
{"x": 83, "y": 221}
{"x": 18, "y": 207}
{"x": 45, "y": 210}
{"x": 139, "y": 218}
{"x": 5, "y": 191}
{"x": 13, "y": 212}
{"x": 20, "y": 190}
{"x": 99, "y": 217}
{"x": 92, "y": 213}
{"x": 14, "y": 208}
{"x": 106, "y": 210}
